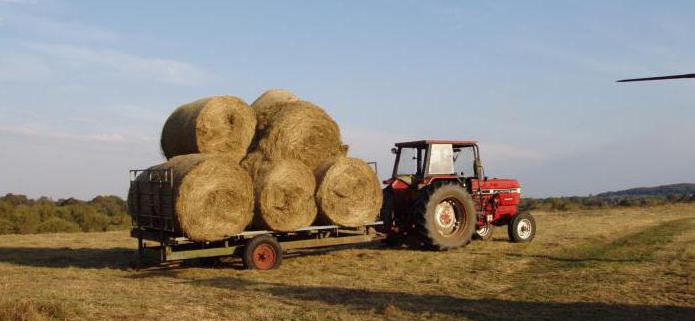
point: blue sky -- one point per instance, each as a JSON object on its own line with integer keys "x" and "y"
{"x": 85, "y": 86}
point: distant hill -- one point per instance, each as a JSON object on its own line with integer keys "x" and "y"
{"x": 663, "y": 190}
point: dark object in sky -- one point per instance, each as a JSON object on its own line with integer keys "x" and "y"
{"x": 660, "y": 78}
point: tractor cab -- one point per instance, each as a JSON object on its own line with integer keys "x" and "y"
{"x": 419, "y": 163}
{"x": 438, "y": 194}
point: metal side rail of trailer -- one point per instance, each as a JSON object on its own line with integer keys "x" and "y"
{"x": 151, "y": 200}
{"x": 257, "y": 249}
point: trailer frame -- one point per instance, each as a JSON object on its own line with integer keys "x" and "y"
{"x": 151, "y": 208}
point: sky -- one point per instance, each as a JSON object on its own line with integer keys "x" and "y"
{"x": 85, "y": 86}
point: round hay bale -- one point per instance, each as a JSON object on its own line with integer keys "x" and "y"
{"x": 213, "y": 195}
{"x": 222, "y": 124}
{"x": 269, "y": 103}
{"x": 304, "y": 132}
{"x": 349, "y": 193}
{"x": 285, "y": 196}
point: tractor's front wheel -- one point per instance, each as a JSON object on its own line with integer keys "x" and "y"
{"x": 522, "y": 228}
{"x": 483, "y": 233}
{"x": 445, "y": 216}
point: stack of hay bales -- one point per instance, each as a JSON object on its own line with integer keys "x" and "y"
{"x": 204, "y": 142}
{"x": 278, "y": 164}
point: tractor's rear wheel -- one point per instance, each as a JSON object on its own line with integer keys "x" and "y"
{"x": 445, "y": 216}
{"x": 522, "y": 228}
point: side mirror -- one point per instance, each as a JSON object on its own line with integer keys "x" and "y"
{"x": 394, "y": 150}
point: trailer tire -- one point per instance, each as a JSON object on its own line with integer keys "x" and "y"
{"x": 445, "y": 216}
{"x": 262, "y": 253}
{"x": 522, "y": 228}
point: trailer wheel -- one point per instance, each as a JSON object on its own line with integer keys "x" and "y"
{"x": 483, "y": 233}
{"x": 262, "y": 253}
{"x": 522, "y": 228}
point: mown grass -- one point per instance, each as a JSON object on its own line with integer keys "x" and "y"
{"x": 635, "y": 247}
{"x": 619, "y": 264}
{"x": 28, "y": 310}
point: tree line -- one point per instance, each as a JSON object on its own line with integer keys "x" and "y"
{"x": 22, "y": 215}
{"x": 602, "y": 202}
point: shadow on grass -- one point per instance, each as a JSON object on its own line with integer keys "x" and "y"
{"x": 115, "y": 258}
{"x": 125, "y": 258}
{"x": 475, "y": 309}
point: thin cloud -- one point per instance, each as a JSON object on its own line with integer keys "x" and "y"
{"x": 84, "y": 120}
{"x": 596, "y": 63}
{"x": 119, "y": 63}
{"x": 44, "y": 27}
{"x": 35, "y": 132}
{"x": 20, "y": 1}
{"x": 500, "y": 151}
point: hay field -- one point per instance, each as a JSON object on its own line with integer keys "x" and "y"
{"x": 617, "y": 264}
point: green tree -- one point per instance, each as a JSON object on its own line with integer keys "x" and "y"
{"x": 6, "y": 209}
{"x": 7, "y": 227}
{"x": 120, "y": 221}
{"x": 57, "y": 225}
{"x": 88, "y": 218}
{"x": 46, "y": 210}
{"x": 27, "y": 219}
{"x": 109, "y": 205}
{"x": 16, "y": 199}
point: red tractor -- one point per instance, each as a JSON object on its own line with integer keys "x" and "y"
{"x": 431, "y": 201}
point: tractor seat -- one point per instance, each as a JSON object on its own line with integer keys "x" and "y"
{"x": 408, "y": 179}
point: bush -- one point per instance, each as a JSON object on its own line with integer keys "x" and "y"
{"x": 16, "y": 199}
{"x": 19, "y": 214}
{"x": 7, "y": 227}
{"x": 69, "y": 201}
{"x": 57, "y": 225}
{"x": 109, "y": 205}
{"x": 121, "y": 219}
{"x": 45, "y": 210}
{"x": 27, "y": 219}
{"x": 6, "y": 210}
{"x": 568, "y": 206}
{"x": 88, "y": 218}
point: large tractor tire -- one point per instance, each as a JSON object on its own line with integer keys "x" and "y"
{"x": 522, "y": 228}
{"x": 445, "y": 216}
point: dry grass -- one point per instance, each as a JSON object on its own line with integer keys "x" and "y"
{"x": 622, "y": 264}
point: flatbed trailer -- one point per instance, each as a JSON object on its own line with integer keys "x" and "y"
{"x": 151, "y": 202}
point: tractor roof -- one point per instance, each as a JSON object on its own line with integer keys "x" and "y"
{"x": 421, "y": 143}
